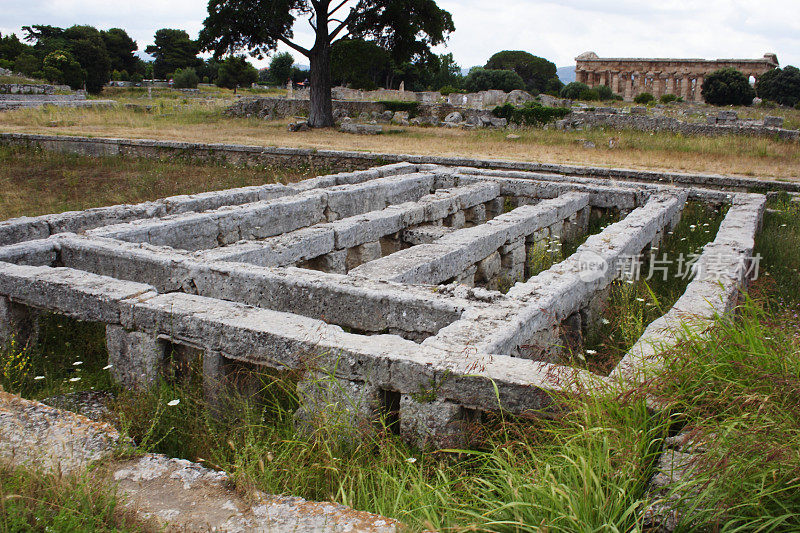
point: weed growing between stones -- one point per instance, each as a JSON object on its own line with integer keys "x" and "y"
{"x": 633, "y": 304}
{"x": 521, "y": 473}
{"x": 68, "y": 356}
{"x": 738, "y": 393}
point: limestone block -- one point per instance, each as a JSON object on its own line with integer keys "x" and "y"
{"x": 328, "y": 403}
{"x": 334, "y": 262}
{"x": 476, "y": 215}
{"x": 433, "y": 424}
{"x": 467, "y": 278}
{"x": 136, "y": 358}
{"x": 19, "y": 324}
{"x": 456, "y": 220}
{"x": 489, "y": 268}
{"x": 364, "y": 253}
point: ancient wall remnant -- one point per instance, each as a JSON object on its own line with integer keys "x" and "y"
{"x": 408, "y": 285}
{"x": 681, "y": 77}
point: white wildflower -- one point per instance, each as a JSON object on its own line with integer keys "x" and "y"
{"x": 173, "y": 403}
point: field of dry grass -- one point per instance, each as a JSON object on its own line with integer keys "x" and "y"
{"x": 34, "y": 182}
{"x": 201, "y": 120}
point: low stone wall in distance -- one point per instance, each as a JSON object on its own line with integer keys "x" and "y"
{"x": 610, "y": 118}
{"x": 276, "y": 108}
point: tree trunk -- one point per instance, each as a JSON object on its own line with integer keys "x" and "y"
{"x": 321, "y": 106}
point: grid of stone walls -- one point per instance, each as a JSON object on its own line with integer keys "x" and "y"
{"x": 380, "y": 280}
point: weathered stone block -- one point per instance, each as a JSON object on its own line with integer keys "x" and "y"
{"x": 136, "y": 359}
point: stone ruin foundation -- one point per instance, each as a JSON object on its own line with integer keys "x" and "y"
{"x": 380, "y": 287}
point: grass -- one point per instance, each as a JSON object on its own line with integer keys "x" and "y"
{"x": 33, "y": 501}
{"x": 178, "y": 117}
{"x": 35, "y": 182}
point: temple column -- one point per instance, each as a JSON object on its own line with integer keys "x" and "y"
{"x": 685, "y": 87}
{"x": 640, "y": 83}
{"x": 698, "y": 89}
{"x": 615, "y": 82}
{"x": 628, "y": 96}
{"x": 579, "y": 75}
{"x": 658, "y": 86}
{"x": 602, "y": 78}
{"x": 670, "y": 82}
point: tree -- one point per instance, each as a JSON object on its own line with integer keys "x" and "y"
{"x": 186, "y": 78}
{"x": 481, "y": 79}
{"x": 536, "y": 72}
{"x": 236, "y": 72}
{"x": 280, "y": 68}
{"x": 84, "y": 43}
{"x": 11, "y": 47}
{"x": 440, "y": 71}
{"x": 780, "y": 86}
{"x": 727, "y": 86}
{"x": 60, "y": 67}
{"x": 28, "y": 64}
{"x": 358, "y": 63}
{"x": 87, "y": 46}
{"x": 573, "y": 90}
{"x": 172, "y": 49}
{"x": 120, "y": 48}
{"x": 404, "y": 27}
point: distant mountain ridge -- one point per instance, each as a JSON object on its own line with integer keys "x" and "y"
{"x": 566, "y": 74}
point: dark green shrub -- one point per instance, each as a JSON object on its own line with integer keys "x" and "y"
{"x": 573, "y": 90}
{"x": 185, "y": 78}
{"x": 60, "y": 67}
{"x": 728, "y": 86}
{"x": 530, "y": 114}
{"x": 667, "y": 98}
{"x": 481, "y": 79}
{"x": 644, "y": 98}
{"x": 780, "y": 85}
{"x": 447, "y": 89}
{"x": 397, "y": 105}
{"x": 604, "y": 92}
{"x": 590, "y": 95}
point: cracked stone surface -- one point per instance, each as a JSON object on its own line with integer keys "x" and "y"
{"x": 173, "y": 493}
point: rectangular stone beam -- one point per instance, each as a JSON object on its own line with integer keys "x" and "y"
{"x": 307, "y": 243}
{"x": 603, "y": 196}
{"x": 600, "y": 182}
{"x": 363, "y": 305}
{"x": 284, "y": 340}
{"x": 544, "y": 301}
{"x": 721, "y": 272}
{"x": 210, "y": 229}
{"x": 70, "y": 292}
{"x": 449, "y": 256}
{"x": 29, "y": 228}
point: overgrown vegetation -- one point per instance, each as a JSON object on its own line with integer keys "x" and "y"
{"x": 56, "y": 503}
{"x": 530, "y": 114}
{"x": 662, "y": 278}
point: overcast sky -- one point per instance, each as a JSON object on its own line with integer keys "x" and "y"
{"x": 558, "y": 31}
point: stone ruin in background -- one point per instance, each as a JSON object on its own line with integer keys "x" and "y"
{"x": 681, "y": 77}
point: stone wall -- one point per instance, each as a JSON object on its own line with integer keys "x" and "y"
{"x": 643, "y": 122}
{"x": 345, "y": 161}
{"x": 31, "y": 88}
{"x": 274, "y": 108}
